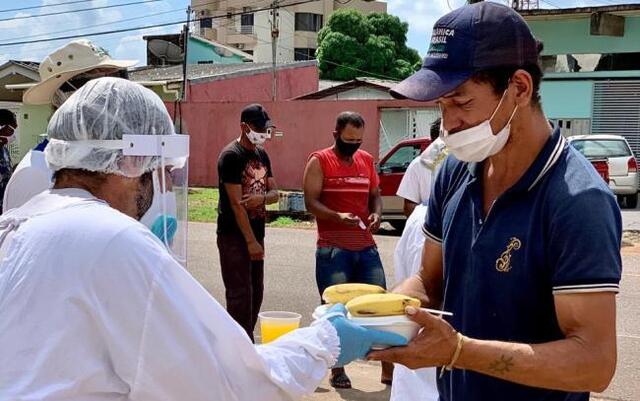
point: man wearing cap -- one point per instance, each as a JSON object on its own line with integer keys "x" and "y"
{"x": 523, "y": 237}
{"x": 61, "y": 73}
{"x": 246, "y": 186}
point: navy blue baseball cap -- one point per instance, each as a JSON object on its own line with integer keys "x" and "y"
{"x": 470, "y": 39}
{"x": 256, "y": 114}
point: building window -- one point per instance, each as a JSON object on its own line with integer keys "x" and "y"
{"x": 248, "y": 52}
{"x": 246, "y": 21}
{"x": 206, "y": 23}
{"x": 308, "y": 22}
{"x": 304, "y": 54}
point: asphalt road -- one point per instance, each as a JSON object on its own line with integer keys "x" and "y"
{"x": 290, "y": 285}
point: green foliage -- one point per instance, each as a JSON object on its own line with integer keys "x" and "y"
{"x": 352, "y": 45}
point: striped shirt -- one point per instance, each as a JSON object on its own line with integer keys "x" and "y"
{"x": 345, "y": 189}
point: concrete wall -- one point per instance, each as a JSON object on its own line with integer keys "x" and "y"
{"x": 567, "y": 99}
{"x": 292, "y": 82}
{"x": 306, "y": 126}
{"x": 562, "y": 36}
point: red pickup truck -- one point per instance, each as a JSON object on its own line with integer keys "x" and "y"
{"x": 391, "y": 170}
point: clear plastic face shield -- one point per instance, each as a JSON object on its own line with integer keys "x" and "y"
{"x": 167, "y": 215}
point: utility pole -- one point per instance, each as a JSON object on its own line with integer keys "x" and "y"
{"x": 275, "y": 33}
{"x": 183, "y": 95}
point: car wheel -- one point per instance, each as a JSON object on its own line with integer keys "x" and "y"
{"x": 631, "y": 201}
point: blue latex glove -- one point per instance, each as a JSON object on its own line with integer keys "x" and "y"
{"x": 157, "y": 228}
{"x": 355, "y": 340}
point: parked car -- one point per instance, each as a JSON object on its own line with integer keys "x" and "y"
{"x": 391, "y": 169}
{"x": 602, "y": 167}
{"x": 623, "y": 165}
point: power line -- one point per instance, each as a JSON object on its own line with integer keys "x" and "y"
{"x": 78, "y": 11}
{"x": 551, "y": 4}
{"x": 44, "y": 6}
{"x": 104, "y": 24}
{"x": 24, "y": 42}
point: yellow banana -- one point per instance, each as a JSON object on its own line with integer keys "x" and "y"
{"x": 343, "y": 293}
{"x": 380, "y": 305}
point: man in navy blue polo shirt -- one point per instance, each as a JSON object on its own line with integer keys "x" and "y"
{"x": 522, "y": 235}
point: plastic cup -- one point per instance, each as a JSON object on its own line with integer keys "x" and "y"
{"x": 275, "y": 324}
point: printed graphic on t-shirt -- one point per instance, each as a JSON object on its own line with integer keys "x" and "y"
{"x": 254, "y": 182}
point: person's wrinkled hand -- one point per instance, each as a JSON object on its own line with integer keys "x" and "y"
{"x": 434, "y": 346}
{"x": 256, "y": 251}
{"x": 252, "y": 201}
{"x": 355, "y": 340}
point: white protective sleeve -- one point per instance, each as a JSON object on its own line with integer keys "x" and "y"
{"x": 186, "y": 347}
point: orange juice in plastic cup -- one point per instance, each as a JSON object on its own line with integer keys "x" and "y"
{"x": 276, "y": 324}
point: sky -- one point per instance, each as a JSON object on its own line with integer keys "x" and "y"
{"x": 420, "y": 14}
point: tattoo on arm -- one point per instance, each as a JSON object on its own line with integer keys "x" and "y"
{"x": 502, "y": 365}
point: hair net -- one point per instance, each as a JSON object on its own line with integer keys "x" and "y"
{"x": 105, "y": 109}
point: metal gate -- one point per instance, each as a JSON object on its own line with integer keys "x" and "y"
{"x": 397, "y": 125}
{"x": 616, "y": 110}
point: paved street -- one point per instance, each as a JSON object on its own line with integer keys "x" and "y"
{"x": 290, "y": 285}
{"x": 631, "y": 219}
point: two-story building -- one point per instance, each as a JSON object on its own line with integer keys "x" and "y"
{"x": 233, "y": 23}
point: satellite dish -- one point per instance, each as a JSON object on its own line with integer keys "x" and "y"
{"x": 166, "y": 51}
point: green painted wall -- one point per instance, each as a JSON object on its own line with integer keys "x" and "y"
{"x": 33, "y": 121}
{"x": 562, "y": 36}
{"x": 567, "y": 99}
{"x": 200, "y": 51}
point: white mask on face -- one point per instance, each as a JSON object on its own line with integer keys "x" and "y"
{"x": 478, "y": 143}
{"x": 155, "y": 211}
{"x": 10, "y": 139}
{"x": 258, "y": 138}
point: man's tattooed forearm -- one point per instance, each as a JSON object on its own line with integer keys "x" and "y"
{"x": 502, "y": 365}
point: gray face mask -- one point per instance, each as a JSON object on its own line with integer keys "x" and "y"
{"x": 144, "y": 197}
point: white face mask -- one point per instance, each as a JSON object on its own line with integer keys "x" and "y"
{"x": 10, "y": 139}
{"x": 259, "y": 138}
{"x": 478, "y": 143}
{"x": 156, "y": 209}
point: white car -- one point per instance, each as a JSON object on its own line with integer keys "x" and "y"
{"x": 623, "y": 166}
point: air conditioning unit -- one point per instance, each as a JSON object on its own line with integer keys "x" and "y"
{"x": 241, "y": 46}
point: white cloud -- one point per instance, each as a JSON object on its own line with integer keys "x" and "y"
{"x": 66, "y": 24}
{"x": 133, "y": 47}
{"x": 420, "y": 15}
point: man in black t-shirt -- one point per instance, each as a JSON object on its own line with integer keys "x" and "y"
{"x": 246, "y": 186}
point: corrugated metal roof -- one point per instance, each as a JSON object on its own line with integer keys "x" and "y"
{"x": 208, "y": 72}
{"x": 560, "y": 13}
{"x": 381, "y": 84}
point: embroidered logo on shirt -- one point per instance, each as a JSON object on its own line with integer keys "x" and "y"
{"x": 503, "y": 264}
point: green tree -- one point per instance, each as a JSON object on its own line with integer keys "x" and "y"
{"x": 353, "y": 45}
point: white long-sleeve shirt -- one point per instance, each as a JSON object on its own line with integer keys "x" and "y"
{"x": 93, "y": 308}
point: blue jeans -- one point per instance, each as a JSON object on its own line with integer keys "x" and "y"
{"x": 339, "y": 266}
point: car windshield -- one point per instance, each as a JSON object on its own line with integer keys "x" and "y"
{"x": 402, "y": 157}
{"x": 594, "y": 148}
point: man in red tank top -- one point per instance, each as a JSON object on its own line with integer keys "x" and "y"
{"x": 341, "y": 190}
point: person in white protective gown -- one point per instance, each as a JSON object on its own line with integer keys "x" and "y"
{"x": 93, "y": 306}
{"x": 419, "y": 384}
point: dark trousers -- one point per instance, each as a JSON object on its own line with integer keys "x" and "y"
{"x": 243, "y": 280}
